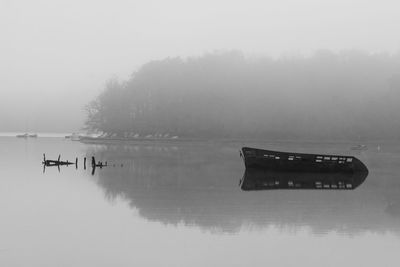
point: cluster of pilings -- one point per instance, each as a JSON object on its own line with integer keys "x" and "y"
{"x": 57, "y": 163}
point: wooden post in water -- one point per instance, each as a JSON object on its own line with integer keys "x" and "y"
{"x": 84, "y": 163}
{"x": 93, "y": 162}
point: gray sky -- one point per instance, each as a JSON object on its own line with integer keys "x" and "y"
{"x": 56, "y": 55}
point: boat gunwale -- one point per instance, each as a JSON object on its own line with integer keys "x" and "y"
{"x": 349, "y": 163}
{"x": 296, "y": 153}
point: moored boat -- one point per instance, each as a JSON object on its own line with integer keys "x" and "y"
{"x": 74, "y": 137}
{"x": 22, "y": 135}
{"x": 300, "y": 162}
{"x": 26, "y": 135}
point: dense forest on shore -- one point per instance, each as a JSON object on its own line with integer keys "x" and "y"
{"x": 332, "y": 96}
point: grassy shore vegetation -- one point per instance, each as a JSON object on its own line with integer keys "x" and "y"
{"x": 347, "y": 95}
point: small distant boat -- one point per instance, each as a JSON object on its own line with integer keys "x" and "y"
{"x": 26, "y": 135}
{"x": 22, "y": 135}
{"x": 300, "y": 162}
{"x": 74, "y": 137}
{"x": 359, "y": 147}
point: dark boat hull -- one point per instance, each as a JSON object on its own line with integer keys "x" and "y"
{"x": 300, "y": 162}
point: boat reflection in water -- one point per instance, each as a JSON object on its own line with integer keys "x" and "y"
{"x": 261, "y": 179}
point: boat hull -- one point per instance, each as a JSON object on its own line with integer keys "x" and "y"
{"x": 300, "y": 162}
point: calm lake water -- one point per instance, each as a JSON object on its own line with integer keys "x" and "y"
{"x": 180, "y": 204}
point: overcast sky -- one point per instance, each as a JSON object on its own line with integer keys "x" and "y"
{"x": 56, "y": 55}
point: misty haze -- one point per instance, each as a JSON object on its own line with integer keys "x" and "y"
{"x": 199, "y": 133}
{"x": 327, "y": 96}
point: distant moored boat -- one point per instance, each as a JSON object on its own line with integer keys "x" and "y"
{"x": 73, "y": 137}
{"x": 26, "y": 135}
{"x": 22, "y": 135}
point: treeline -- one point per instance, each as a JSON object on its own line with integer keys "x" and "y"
{"x": 347, "y": 95}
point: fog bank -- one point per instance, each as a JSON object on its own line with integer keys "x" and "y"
{"x": 347, "y": 95}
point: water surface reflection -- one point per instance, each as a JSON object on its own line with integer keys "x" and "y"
{"x": 197, "y": 184}
{"x": 262, "y": 179}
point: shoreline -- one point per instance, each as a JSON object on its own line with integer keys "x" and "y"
{"x": 114, "y": 140}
